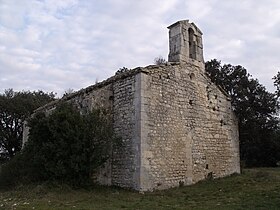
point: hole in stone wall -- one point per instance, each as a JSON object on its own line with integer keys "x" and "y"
{"x": 111, "y": 98}
{"x": 206, "y": 166}
{"x": 160, "y": 76}
{"x": 181, "y": 183}
{"x": 214, "y": 108}
{"x": 191, "y": 102}
{"x": 222, "y": 122}
{"x": 209, "y": 176}
{"x": 216, "y": 96}
{"x": 192, "y": 76}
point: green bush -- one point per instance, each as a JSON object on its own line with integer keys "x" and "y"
{"x": 11, "y": 172}
{"x": 64, "y": 146}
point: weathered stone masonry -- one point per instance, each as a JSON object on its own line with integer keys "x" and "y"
{"x": 189, "y": 127}
{"x": 176, "y": 126}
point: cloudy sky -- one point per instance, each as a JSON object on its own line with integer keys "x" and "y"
{"x": 54, "y": 45}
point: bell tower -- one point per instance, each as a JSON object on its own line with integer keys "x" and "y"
{"x": 185, "y": 42}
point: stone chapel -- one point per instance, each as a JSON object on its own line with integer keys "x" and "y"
{"x": 176, "y": 126}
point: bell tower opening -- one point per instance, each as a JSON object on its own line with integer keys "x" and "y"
{"x": 192, "y": 44}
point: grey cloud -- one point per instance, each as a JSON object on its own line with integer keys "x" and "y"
{"x": 55, "y": 45}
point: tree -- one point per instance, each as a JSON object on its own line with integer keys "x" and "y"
{"x": 277, "y": 84}
{"x": 160, "y": 61}
{"x": 15, "y": 108}
{"x": 122, "y": 70}
{"x": 68, "y": 92}
{"x": 256, "y": 109}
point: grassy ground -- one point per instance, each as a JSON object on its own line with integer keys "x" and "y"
{"x": 254, "y": 189}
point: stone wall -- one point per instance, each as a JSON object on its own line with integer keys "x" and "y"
{"x": 85, "y": 101}
{"x": 189, "y": 130}
{"x": 121, "y": 95}
{"x": 126, "y": 156}
{"x": 99, "y": 95}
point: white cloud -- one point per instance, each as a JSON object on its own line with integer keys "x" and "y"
{"x": 199, "y": 9}
{"x": 55, "y": 45}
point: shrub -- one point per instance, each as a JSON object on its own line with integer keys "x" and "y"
{"x": 64, "y": 146}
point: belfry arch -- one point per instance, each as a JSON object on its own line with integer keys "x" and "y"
{"x": 192, "y": 44}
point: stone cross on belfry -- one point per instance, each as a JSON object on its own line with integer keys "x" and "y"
{"x": 185, "y": 42}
